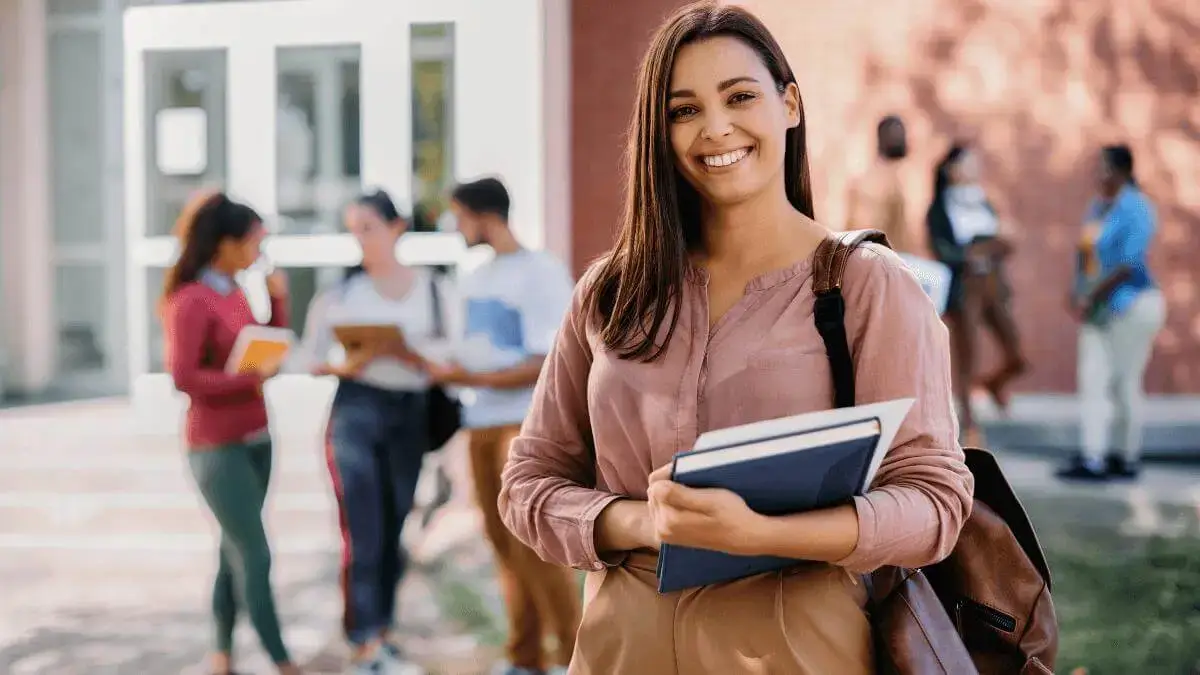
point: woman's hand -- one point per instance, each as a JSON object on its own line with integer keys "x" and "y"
{"x": 625, "y": 525}
{"x": 1079, "y": 306}
{"x": 448, "y": 373}
{"x": 709, "y": 518}
{"x": 353, "y": 367}
{"x": 400, "y": 349}
{"x": 268, "y": 368}
{"x": 277, "y": 285}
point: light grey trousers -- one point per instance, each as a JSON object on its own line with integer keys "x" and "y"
{"x": 1112, "y": 360}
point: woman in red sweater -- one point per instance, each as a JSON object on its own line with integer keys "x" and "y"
{"x": 229, "y": 444}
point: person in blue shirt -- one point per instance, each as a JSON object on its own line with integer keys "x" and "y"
{"x": 1121, "y": 310}
{"x": 514, "y": 305}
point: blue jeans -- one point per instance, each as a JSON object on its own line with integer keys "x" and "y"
{"x": 376, "y": 442}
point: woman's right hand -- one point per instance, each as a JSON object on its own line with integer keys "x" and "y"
{"x": 351, "y": 368}
{"x": 269, "y": 368}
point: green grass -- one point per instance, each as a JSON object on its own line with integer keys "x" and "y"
{"x": 1126, "y": 604}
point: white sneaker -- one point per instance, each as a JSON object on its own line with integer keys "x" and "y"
{"x": 392, "y": 662}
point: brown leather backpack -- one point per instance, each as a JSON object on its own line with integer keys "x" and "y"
{"x": 986, "y": 608}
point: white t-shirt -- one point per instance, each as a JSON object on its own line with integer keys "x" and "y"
{"x": 969, "y": 213}
{"x": 358, "y": 301}
{"x": 513, "y": 307}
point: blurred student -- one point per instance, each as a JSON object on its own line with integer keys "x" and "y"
{"x": 1121, "y": 310}
{"x": 967, "y": 236}
{"x": 227, "y": 435}
{"x": 514, "y": 305}
{"x": 378, "y": 434}
{"x": 877, "y": 196}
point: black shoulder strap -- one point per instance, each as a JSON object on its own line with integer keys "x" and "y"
{"x": 829, "y": 313}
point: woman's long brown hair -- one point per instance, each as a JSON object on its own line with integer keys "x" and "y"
{"x": 636, "y": 287}
{"x": 207, "y": 220}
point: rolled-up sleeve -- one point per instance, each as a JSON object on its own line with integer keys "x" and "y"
{"x": 922, "y": 494}
{"x": 548, "y": 497}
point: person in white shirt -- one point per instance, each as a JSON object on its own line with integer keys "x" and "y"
{"x": 514, "y": 305}
{"x": 968, "y": 236}
{"x": 378, "y": 433}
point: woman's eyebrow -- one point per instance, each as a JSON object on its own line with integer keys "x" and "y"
{"x": 722, "y": 86}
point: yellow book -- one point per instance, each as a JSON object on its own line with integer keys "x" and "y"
{"x": 257, "y": 347}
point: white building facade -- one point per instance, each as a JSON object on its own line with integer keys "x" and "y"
{"x": 113, "y": 112}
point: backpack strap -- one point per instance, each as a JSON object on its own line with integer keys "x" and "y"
{"x": 435, "y": 303}
{"x": 829, "y": 312}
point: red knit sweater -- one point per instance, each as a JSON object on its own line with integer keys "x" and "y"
{"x": 201, "y": 326}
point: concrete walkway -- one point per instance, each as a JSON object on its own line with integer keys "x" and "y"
{"x": 1050, "y": 423}
{"x": 107, "y": 555}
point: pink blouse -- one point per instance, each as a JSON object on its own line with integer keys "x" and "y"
{"x": 599, "y": 424}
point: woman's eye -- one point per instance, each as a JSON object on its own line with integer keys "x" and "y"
{"x": 742, "y": 97}
{"x": 681, "y": 112}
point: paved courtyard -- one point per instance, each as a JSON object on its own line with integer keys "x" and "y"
{"x": 106, "y": 555}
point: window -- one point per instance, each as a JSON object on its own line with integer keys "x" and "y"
{"x": 79, "y": 291}
{"x": 432, "y": 122}
{"x": 317, "y": 135}
{"x": 185, "y": 131}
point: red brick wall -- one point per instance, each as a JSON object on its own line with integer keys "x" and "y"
{"x": 1038, "y": 86}
{"x": 608, "y": 38}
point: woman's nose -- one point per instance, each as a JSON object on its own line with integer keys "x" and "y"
{"x": 716, "y": 127}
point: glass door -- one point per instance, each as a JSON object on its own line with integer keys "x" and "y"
{"x": 83, "y": 78}
{"x": 296, "y": 107}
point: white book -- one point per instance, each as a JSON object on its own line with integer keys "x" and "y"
{"x": 818, "y": 429}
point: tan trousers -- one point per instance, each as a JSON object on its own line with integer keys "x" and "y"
{"x": 807, "y": 621}
{"x": 541, "y": 599}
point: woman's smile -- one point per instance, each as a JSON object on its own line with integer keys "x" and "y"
{"x": 723, "y": 161}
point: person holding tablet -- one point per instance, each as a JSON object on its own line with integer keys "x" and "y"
{"x": 377, "y": 434}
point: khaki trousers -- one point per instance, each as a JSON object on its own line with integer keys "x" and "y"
{"x": 542, "y": 600}
{"x": 804, "y": 621}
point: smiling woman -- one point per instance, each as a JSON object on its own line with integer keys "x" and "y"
{"x": 701, "y": 318}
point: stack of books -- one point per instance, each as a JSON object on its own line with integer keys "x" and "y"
{"x": 780, "y": 467}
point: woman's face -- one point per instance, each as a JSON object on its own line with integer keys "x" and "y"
{"x": 235, "y": 255}
{"x": 375, "y": 236}
{"x": 966, "y": 170}
{"x": 727, "y": 123}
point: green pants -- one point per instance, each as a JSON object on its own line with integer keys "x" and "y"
{"x": 233, "y": 480}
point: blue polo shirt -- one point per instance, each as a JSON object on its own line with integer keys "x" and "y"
{"x": 1127, "y": 228}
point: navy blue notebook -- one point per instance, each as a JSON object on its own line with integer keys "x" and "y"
{"x": 779, "y": 468}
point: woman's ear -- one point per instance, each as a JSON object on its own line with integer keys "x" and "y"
{"x": 791, "y": 100}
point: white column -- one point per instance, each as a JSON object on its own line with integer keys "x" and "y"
{"x": 26, "y": 237}
{"x": 502, "y": 139}
{"x": 114, "y": 189}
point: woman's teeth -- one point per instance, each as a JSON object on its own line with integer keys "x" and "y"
{"x": 725, "y": 159}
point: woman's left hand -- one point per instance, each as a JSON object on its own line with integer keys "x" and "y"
{"x": 277, "y": 285}
{"x": 710, "y": 518}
